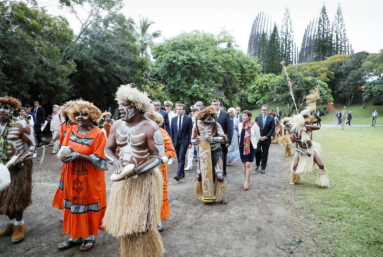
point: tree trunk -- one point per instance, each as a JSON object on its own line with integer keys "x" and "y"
{"x": 352, "y": 97}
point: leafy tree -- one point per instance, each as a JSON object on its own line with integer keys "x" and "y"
{"x": 31, "y": 43}
{"x": 287, "y": 39}
{"x": 200, "y": 66}
{"x": 323, "y": 41}
{"x": 340, "y": 44}
{"x": 354, "y": 76}
{"x": 144, "y": 38}
{"x": 261, "y": 92}
{"x": 106, "y": 57}
{"x": 301, "y": 88}
{"x": 273, "y": 53}
{"x": 374, "y": 64}
{"x": 374, "y": 91}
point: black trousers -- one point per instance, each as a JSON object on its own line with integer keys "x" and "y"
{"x": 224, "y": 158}
{"x": 181, "y": 152}
{"x": 262, "y": 154}
{"x": 348, "y": 122}
{"x": 38, "y": 132}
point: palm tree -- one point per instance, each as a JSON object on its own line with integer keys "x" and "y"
{"x": 144, "y": 38}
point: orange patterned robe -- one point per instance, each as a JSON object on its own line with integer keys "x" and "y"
{"x": 85, "y": 188}
{"x": 169, "y": 150}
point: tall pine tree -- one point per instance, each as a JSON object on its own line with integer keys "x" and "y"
{"x": 262, "y": 50}
{"x": 340, "y": 36}
{"x": 323, "y": 42}
{"x": 287, "y": 39}
{"x": 273, "y": 55}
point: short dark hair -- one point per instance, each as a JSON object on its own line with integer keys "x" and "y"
{"x": 178, "y": 102}
{"x": 36, "y": 101}
{"x": 27, "y": 106}
{"x": 248, "y": 113}
{"x": 216, "y": 101}
{"x": 157, "y": 101}
{"x": 181, "y": 105}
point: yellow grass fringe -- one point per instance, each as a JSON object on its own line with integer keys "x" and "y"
{"x": 296, "y": 179}
{"x": 139, "y": 245}
{"x": 322, "y": 179}
{"x": 198, "y": 189}
{"x": 287, "y": 150}
{"x": 129, "y": 210}
{"x": 220, "y": 190}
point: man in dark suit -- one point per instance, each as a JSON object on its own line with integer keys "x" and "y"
{"x": 349, "y": 118}
{"x": 279, "y": 114}
{"x": 238, "y": 114}
{"x": 267, "y": 128}
{"x": 39, "y": 113}
{"x": 157, "y": 108}
{"x": 180, "y": 132}
{"x": 223, "y": 119}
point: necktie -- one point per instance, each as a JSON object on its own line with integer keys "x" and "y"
{"x": 179, "y": 124}
{"x": 264, "y": 121}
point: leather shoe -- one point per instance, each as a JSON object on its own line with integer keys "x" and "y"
{"x": 256, "y": 167}
{"x": 188, "y": 168}
{"x": 177, "y": 178}
{"x": 182, "y": 176}
{"x": 18, "y": 233}
{"x": 263, "y": 171}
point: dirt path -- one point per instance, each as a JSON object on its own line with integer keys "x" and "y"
{"x": 253, "y": 223}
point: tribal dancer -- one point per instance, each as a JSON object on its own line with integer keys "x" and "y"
{"x": 278, "y": 129}
{"x": 108, "y": 122}
{"x": 169, "y": 153}
{"x": 308, "y": 152}
{"x": 58, "y": 200}
{"x": 206, "y": 125}
{"x": 285, "y": 139}
{"x": 14, "y": 134}
{"x": 134, "y": 207}
{"x": 84, "y": 177}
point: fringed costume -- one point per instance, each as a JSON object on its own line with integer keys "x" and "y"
{"x": 300, "y": 137}
{"x": 137, "y": 204}
{"x": 285, "y": 139}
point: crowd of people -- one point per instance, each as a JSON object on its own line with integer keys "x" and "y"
{"x": 140, "y": 145}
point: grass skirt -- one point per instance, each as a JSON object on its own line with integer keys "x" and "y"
{"x": 306, "y": 164}
{"x": 18, "y": 196}
{"x": 134, "y": 210}
{"x": 286, "y": 142}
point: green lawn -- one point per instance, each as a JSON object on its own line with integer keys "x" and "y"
{"x": 346, "y": 219}
{"x": 359, "y": 115}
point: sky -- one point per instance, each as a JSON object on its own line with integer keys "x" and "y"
{"x": 363, "y": 19}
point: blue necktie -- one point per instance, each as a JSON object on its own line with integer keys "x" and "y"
{"x": 264, "y": 121}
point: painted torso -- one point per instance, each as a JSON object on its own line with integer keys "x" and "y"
{"x": 15, "y": 138}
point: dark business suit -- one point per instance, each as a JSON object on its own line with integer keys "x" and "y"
{"x": 227, "y": 126}
{"x": 181, "y": 140}
{"x": 239, "y": 117}
{"x": 349, "y": 118}
{"x": 268, "y": 130}
{"x": 165, "y": 125}
{"x": 39, "y": 113}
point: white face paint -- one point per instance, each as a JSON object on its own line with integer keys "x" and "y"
{"x": 81, "y": 115}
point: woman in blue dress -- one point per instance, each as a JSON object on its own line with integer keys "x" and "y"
{"x": 233, "y": 151}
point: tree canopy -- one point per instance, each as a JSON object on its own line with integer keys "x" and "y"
{"x": 202, "y": 66}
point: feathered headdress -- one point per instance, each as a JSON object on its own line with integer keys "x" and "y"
{"x": 83, "y": 107}
{"x": 15, "y": 103}
{"x": 138, "y": 98}
{"x": 201, "y": 115}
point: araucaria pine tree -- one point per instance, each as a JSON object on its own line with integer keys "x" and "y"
{"x": 340, "y": 41}
{"x": 273, "y": 53}
{"x": 287, "y": 39}
{"x": 323, "y": 42}
{"x": 262, "y": 50}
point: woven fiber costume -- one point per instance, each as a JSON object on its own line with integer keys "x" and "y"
{"x": 285, "y": 139}
{"x": 307, "y": 156}
{"x": 15, "y": 198}
{"x": 207, "y": 133}
{"x": 134, "y": 206}
{"x": 108, "y": 122}
{"x": 278, "y": 129}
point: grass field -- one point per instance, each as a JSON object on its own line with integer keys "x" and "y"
{"x": 346, "y": 219}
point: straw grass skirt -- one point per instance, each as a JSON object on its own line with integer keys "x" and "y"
{"x": 285, "y": 141}
{"x": 307, "y": 164}
{"x": 133, "y": 212}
